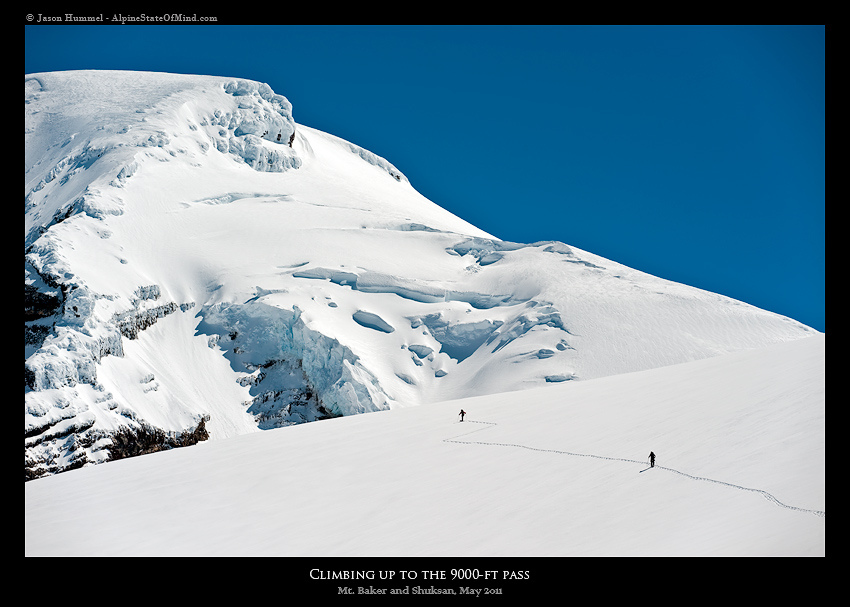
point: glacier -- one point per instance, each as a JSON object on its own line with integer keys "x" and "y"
{"x": 200, "y": 266}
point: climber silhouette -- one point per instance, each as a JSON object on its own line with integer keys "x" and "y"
{"x": 651, "y": 459}
{"x": 462, "y": 413}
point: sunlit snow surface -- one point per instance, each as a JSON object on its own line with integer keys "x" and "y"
{"x": 560, "y": 470}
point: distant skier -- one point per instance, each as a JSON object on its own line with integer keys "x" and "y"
{"x": 462, "y": 413}
{"x": 651, "y": 459}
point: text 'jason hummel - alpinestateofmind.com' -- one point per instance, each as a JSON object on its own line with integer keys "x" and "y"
{"x": 119, "y": 18}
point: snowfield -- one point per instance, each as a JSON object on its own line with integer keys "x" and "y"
{"x": 554, "y": 471}
{"x": 203, "y": 272}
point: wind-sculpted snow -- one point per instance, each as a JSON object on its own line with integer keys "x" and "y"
{"x": 198, "y": 265}
{"x": 377, "y": 282}
{"x": 458, "y": 339}
{"x": 376, "y": 160}
{"x": 485, "y": 251}
{"x": 536, "y": 315}
{"x": 372, "y": 321}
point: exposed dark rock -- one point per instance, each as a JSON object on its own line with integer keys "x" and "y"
{"x": 131, "y": 323}
{"x": 34, "y": 334}
{"x": 130, "y": 442}
{"x": 38, "y": 304}
{"x": 73, "y": 444}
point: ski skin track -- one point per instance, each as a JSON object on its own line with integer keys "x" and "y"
{"x": 765, "y": 494}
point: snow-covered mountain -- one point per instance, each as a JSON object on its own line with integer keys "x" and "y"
{"x": 199, "y": 265}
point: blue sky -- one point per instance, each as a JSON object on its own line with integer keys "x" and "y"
{"x": 694, "y": 153}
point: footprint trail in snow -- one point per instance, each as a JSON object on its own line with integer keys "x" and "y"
{"x": 765, "y": 494}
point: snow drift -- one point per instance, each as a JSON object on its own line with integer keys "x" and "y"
{"x": 200, "y": 266}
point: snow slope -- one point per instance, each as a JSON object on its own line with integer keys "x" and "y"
{"x": 559, "y": 470}
{"x": 198, "y": 264}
